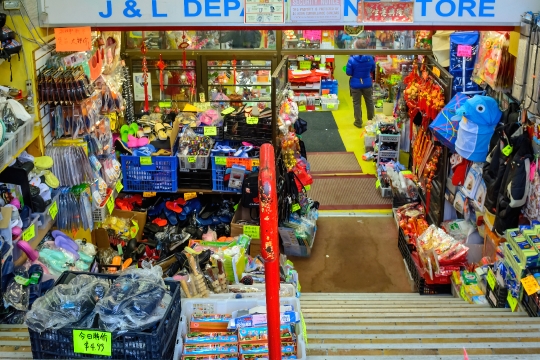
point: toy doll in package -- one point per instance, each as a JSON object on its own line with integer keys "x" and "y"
{"x": 488, "y": 61}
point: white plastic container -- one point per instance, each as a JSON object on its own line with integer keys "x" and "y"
{"x": 227, "y": 306}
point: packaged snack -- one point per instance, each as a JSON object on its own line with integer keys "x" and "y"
{"x": 262, "y": 348}
{"x": 258, "y": 334}
{"x": 469, "y": 278}
{"x": 209, "y": 322}
{"x": 252, "y": 320}
{"x": 211, "y": 357}
{"x": 218, "y": 348}
{"x": 266, "y": 357}
{"x": 211, "y": 337}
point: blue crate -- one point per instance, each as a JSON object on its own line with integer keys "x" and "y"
{"x": 160, "y": 176}
{"x": 218, "y": 171}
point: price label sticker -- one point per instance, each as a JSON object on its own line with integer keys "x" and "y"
{"x": 165, "y": 104}
{"x": 92, "y": 342}
{"x": 530, "y": 285}
{"x": 330, "y": 106}
{"x": 29, "y": 233}
{"x": 228, "y": 110}
{"x": 307, "y": 187}
{"x": 53, "y": 210}
{"x": 464, "y": 50}
{"x": 255, "y": 163}
{"x": 189, "y": 196}
{"x": 252, "y": 120}
{"x": 220, "y": 160}
{"x": 149, "y": 194}
{"x": 253, "y": 231}
{"x": 210, "y": 131}
{"x": 134, "y": 230}
{"x": 377, "y": 184}
{"x": 302, "y": 108}
{"x": 492, "y": 281}
{"x": 507, "y": 150}
{"x": 191, "y": 159}
{"x": 110, "y": 204}
{"x": 119, "y": 186}
{"x": 436, "y": 71}
{"x": 145, "y": 160}
{"x": 304, "y": 329}
{"x": 512, "y": 301}
{"x": 295, "y": 207}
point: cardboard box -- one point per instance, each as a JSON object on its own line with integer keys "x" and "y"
{"x": 241, "y": 213}
{"x": 100, "y": 236}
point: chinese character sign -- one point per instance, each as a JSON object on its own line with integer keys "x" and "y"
{"x": 92, "y": 342}
{"x": 73, "y": 39}
{"x": 389, "y": 12}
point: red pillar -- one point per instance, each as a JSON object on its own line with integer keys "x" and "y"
{"x": 270, "y": 245}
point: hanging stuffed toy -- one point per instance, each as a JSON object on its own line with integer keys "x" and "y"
{"x": 478, "y": 118}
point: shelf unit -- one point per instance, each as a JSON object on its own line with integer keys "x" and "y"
{"x": 393, "y": 140}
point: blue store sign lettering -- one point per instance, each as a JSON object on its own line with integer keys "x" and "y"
{"x": 192, "y": 8}
{"x": 446, "y": 8}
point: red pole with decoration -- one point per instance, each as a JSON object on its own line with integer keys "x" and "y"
{"x": 270, "y": 245}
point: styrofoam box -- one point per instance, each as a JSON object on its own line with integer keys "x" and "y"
{"x": 227, "y": 306}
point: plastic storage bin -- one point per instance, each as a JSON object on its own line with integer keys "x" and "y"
{"x": 156, "y": 344}
{"x": 330, "y": 106}
{"x": 45, "y": 217}
{"x": 219, "y": 167}
{"x": 192, "y": 162}
{"x": 237, "y": 128}
{"x": 221, "y": 306}
{"x": 159, "y": 176}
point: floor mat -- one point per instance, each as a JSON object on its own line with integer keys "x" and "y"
{"x": 352, "y": 254}
{"x": 322, "y": 134}
{"x": 333, "y": 162}
{"x": 348, "y": 192}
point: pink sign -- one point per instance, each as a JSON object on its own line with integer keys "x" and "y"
{"x": 312, "y": 35}
{"x": 464, "y": 50}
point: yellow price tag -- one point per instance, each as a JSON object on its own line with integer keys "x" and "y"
{"x": 189, "y": 196}
{"x": 512, "y": 301}
{"x": 302, "y": 108}
{"x": 295, "y": 207}
{"x": 253, "y": 231}
{"x": 436, "y": 71}
{"x": 228, "y": 110}
{"x": 145, "y": 160}
{"x": 119, "y": 186}
{"x": 53, "y": 210}
{"x": 210, "y": 131}
{"x": 304, "y": 330}
{"x": 134, "y": 230}
{"x": 92, "y": 342}
{"x": 492, "y": 281}
{"x": 149, "y": 194}
{"x": 377, "y": 184}
{"x": 255, "y": 163}
{"x": 29, "y": 233}
{"x": 307, "y": 187}
{"x": 330, "y": 106}
{"x": 110, "y": 204}
{"x": 220, "y": 160}
{"x": 252, "y": 120}
{"x": 191, "y": 159}
{"x": 530, "y": 285}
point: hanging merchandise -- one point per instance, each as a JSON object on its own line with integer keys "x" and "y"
{"x": 478, "y": 118}
{"x": 127, "y": 95}
{"x": 445, "y": 127}
{"x": 145, "y": 76}
{"x": 489, "y": 57}
{"x": 463, "y": 52}
{"x": 522, "y": 61}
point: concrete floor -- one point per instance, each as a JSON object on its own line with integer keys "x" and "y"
{"x": 354, "y": 254}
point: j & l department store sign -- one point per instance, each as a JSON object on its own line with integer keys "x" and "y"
{"x": 140, "y": 13}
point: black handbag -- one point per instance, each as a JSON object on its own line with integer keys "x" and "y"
{"x": 300, "y": 126}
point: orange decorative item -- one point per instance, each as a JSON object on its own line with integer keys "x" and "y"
{"x": 161, "y": 66}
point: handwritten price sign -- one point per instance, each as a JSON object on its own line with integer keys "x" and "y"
{"x": 92, "y": 342}
{"x": 73, "y": 39}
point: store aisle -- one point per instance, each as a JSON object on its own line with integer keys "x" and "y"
{"x": 353, "y": 255}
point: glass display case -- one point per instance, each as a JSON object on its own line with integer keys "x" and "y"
{"x": 234, "y": 81}
{"x": 202, "y": 40}
{"x": 179, "y": 82}
{"x": 369, "y": 39}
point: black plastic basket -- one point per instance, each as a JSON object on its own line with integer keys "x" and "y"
{"x": 531, "y": 302}
{"x": 497, "y": 297}
{"x": 195, "y": 179}
{"x": 157, "y": 343}
{"x": 406, "y": 250}
{"x": 237, "y": 128}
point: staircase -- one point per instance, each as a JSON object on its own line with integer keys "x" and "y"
{"x": 414, "y": 327}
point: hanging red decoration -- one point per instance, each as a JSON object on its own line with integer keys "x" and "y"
{"x": 233, "y": 62}
{"x": 161, "y": 66}
{"x": 184, "y": 45}
{"x": 145, "y": 75}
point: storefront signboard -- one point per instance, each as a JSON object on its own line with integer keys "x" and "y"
{"x": 215, "y": 13}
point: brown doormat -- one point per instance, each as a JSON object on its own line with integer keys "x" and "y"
{"x": 333, "y": 162}
{"x": 348, "y": 192}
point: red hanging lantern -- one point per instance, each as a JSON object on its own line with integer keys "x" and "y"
{"x": 184, "y": 45}
{"x": 161, "y": 66}
{"x": 145, "y": 74}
